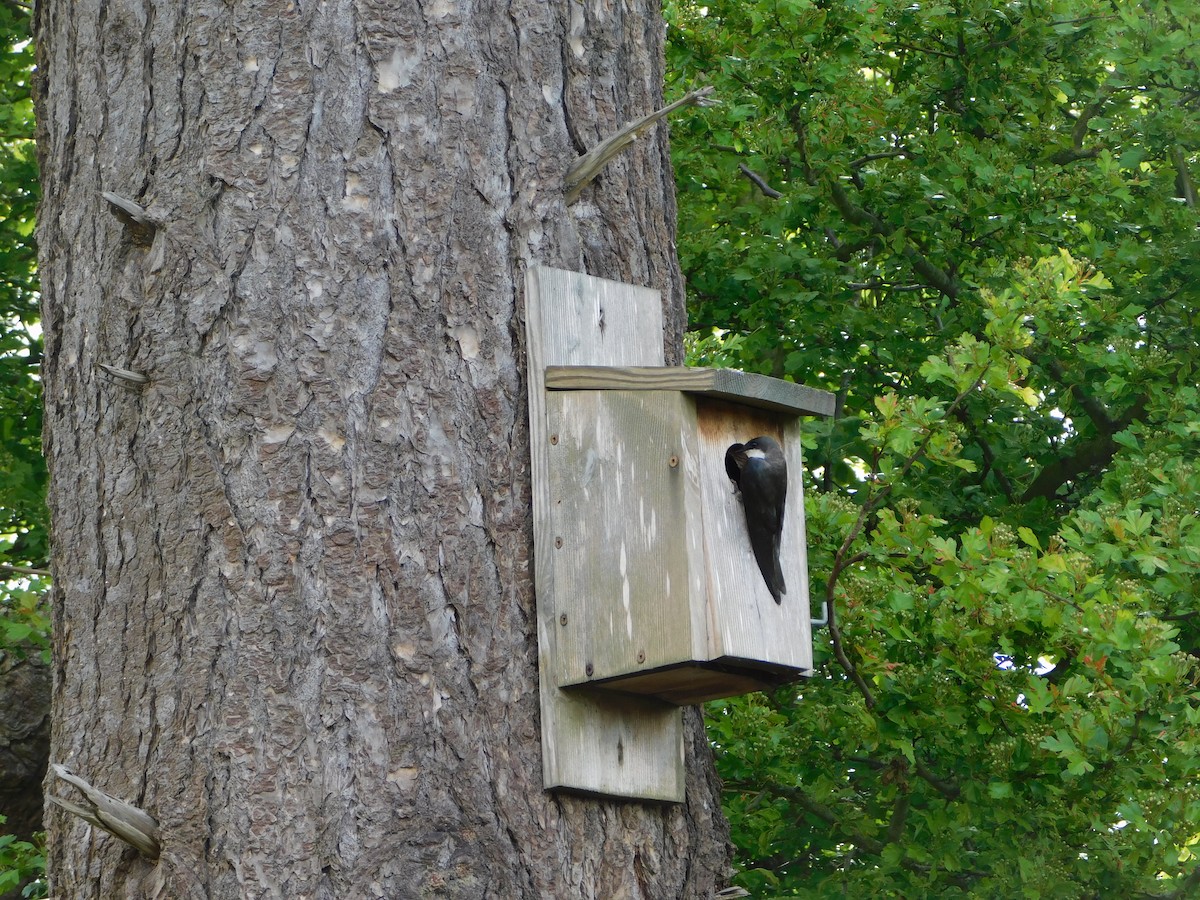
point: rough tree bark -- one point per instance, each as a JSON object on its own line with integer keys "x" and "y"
{"x": 294, "y": 617}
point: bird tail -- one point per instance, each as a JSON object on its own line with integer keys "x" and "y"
{"x": 766, "y": 554}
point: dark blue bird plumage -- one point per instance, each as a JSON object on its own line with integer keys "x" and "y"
{"x": 759, "y": 470}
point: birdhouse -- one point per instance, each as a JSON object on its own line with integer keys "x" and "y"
{"x": 649, "y": 592}
{"x": 656, "y": 585}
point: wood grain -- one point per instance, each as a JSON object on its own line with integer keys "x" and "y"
{"x": 590, "y": 742}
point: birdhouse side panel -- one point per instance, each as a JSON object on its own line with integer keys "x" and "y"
{"x": 744, "y": 621}
{"x": 618, "y": 510}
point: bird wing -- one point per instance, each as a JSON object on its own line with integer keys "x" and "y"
{"x": 764, "y": 494}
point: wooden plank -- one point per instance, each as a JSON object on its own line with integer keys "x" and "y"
{"x": 745, "y": 388}
{"x": 617, "y": 746}
{"x": 619, "y": 514}
{"x": 745, "y": 622}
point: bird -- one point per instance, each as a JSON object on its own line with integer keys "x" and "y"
{"x": 757, "y": 468}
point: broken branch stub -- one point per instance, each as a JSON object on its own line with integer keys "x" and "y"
{"x": 134, "y": 826}
{"x": 588, "y": 166}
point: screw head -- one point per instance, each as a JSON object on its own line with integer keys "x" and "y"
{"x": 589, "y": 668}
{"x": 554, "y": 438}
{"x": 673, "y": 461}
{"x": 562, "y": 620}
{"x": 641, "y": 656}
{"x": 558, "y": 542}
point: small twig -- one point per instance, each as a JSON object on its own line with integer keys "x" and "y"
{"x": 759, "y": 181}
{"x": 929, "y": 50}
{"x": 9, "y": 569}
{"x": 886, "y": 286}
{"x": 123, "y": 374}
{"x": 141, "y": 224}
{"x": 128, "y": 209}
{"x": 588, "y": 166}
{"x": 1179, "y": 617}
{"x": 1057, "y": 598}
{"x": 120, "y": 819}
{"x": 871, "y": 157}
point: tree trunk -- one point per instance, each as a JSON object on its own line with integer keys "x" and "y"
{"x": 294, "y": 615}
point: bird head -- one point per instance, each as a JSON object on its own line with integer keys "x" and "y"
{"x": 734, "y": 460}
{"x": 737, "y": 456}
{"x": 762, "y": 447}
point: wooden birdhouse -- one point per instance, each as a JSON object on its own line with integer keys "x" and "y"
{"x": 649, "y": 595}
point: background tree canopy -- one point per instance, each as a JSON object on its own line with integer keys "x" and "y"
{"x": 977, "y": 224}
{"x": 24, "y": 547}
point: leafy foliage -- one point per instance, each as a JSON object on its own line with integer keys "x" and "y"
{"x": 977, "y": 225}
{"x": 23, "y": 533}
{"x": 22, "y": 863}
{"x": 24, "y": 550}
{"x": 22, "y": 471}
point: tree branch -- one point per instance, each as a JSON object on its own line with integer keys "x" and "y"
{"x": 871, "y": 845}
{"x": 1088, "y": 456}
{"x": 899, "y": 816}
{"x": 947, "y": 789}
{"x": 588, "y": 166}
{"x": 1184, "y": 186}
{"x": 120, "y": 819}
{"x": 1095, "y": 410}
{"x": 939, "y": 279}
{"x": 759, "y": 181}
{"x": 871, "y": 157}
{"x": 9, "y": 569}
{"x": 989, "y": 456}
{"x": 878, "y": 285}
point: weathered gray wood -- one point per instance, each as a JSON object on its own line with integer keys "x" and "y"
{"x": 646, "y": 582}
{"x": 620, "y": 521}
{"x": 588, "y": 166}
{"x": 745, "y": 388}
{"x": 746, "y": 622}
{"x": 653, "y": 567}
{"x": 589, "y": 743}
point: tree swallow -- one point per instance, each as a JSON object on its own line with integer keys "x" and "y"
{"x": 758, "y": 469}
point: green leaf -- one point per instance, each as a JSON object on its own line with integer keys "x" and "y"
{"x": 1028, "y": 537}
